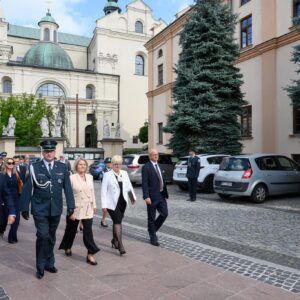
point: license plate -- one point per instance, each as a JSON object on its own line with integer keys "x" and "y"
{"x": 226, "y": 183}
{"x": 181, "y": 175}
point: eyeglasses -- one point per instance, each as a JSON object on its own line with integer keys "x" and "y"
{"x": 10, "y": 163}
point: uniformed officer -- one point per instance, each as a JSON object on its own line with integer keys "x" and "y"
{"x": 192, "y": 174}
{"x": 44, "y": 190}
{"x": 108, "y": 167}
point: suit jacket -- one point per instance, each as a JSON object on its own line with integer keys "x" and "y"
{"x": 84, "y": 195}
{"x": 110, "y": 190}
{"x": 5, "y": 196}
{"x": 193, "y": 168}
{"x": 47, "y": 200}
{"x": 151, "y": 184}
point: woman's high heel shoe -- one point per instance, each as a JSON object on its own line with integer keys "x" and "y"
{"x": 122, "y": 251}
{"x": 93, "y": 263}
{"x": 114, "y": 244}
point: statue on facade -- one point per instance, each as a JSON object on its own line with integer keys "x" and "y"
{"x": 58, "y": 123}
{"x": 106, "y": 130}
{"x": 44, "y": 126}
{"x": 118, "y": 133}
{"x": 11, "y": 126}
{"x": 4, "y": 131}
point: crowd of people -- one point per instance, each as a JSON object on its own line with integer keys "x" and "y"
{"x": 38, "y": 187}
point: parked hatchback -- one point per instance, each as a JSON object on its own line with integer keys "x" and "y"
{"x": 134, "y": 163}
{"x": 257, "y": 176}
{"x": 96, "y": 169}
{"x": 209, "y": 166}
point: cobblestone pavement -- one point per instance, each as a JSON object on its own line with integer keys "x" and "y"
{"x": 268, "y": 231}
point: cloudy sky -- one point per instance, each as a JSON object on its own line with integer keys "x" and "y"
{"x": 78, "y": 16}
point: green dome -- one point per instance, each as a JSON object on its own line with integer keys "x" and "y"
{"x": 111, "y": 5}
{"x": 48, "y": 18}
{"x": 48, "y": 55}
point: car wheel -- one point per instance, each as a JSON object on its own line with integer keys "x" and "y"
{"x": 224, "y": 196}
{"x": 259, "y": 193}
{"x": 208, "y": 184}
{"x": 183, "y": 187}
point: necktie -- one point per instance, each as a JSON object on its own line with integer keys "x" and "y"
{"x": 161, "y": 184}
{"x": 49, "y": 167}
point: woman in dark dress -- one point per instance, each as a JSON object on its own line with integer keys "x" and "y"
{"x": 116, "y": 191}
{"x": 12, "y": 179}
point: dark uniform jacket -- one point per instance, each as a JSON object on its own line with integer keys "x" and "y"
{"x": 193, "y": 168}
{"x": 5, "y": 196}
{"x": 45, "y": 191}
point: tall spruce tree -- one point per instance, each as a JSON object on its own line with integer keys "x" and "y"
{"x": 207, "y": 92}
{"x": 294, "y": 90}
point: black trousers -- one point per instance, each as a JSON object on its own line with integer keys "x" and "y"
{"x": 46, "y": 229}
{"x": 70, "y": 233}
{"x": 155, "y": 223}
{"x": 3, "y": 218}
{"x": 192, "y": 183}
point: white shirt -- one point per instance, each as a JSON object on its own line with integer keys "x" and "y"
{"x": 155, "y": 163}
{"x": 46, "y": 163}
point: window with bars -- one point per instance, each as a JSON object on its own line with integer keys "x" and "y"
{"x": 160, "y": 133}
{"x": 160, "y": 53}
{"x": 7, "y": 86}
{"x": 246, "y": 32}
{"x": 160, "y": 74}
{"x": 139, "y": 65}
{"x": 90, "y": 92}
{"x": 246, "y": 121}
{"x": 50, "y": 90}
{"x": 135, "y": 139}
{"x": 139, "y": 28}
{"x": 243, "y": 2}
{"x": 296, "y": 120}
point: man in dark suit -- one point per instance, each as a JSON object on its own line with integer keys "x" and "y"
{"x": 192, "y": 173}
{"x": 21, "y": 169}
{"x": 7, "y": 210}
{"x": 44, "y": 191}
{"x": 155, "y": 194}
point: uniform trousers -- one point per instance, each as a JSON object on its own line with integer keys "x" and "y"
{"x": 192, "y": 184}
{"x": 46, "y": 229}
{"x": 70, "y": 233}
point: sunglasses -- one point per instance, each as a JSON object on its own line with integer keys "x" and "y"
{"x": 10, "y": 163}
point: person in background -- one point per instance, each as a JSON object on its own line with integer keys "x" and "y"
{"x": 155, "y": 194}
{"x": 48, "y": 178}
{"x": 2, "y": 156}
{"x": 63, "y": 160}
{"x": 85, "y": 202}
{"x": 116, "y": 191}
{"x": 192, "y": 173}
{"x": 108, "y": 167}
{"x": 20, "y": 168}
{"x": 14, "y": 184}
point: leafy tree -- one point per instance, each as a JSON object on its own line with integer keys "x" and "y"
{"x": 207, "y": 91}
{"x": 27, "y": 111}
{"x": 294, "y": 90}
{"x": 143, "y": 134}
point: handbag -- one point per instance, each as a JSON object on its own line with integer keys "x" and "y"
{"x": 20, "y": 183}
{"x": 131, "y": 197}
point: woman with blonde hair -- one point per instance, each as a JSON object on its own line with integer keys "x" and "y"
{"x": 85, "y": 207}
{"x": 14, "y": 184}
{"x": 116, "y": 190}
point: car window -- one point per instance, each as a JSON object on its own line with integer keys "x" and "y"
{"x": 267, "y": 163}
{"x": 143, "y": 159}
{"x": 165, "y": 159}
{"x": 182, "y": 161}
{"x": 127, "y": 160}
{"x": 215, "y": 160}
{"x": 235, "y": 164}
{"x": 286, "y": 164}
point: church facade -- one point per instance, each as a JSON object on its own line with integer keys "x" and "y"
{"x": 98, "y": 81}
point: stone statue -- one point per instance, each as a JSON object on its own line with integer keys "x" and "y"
{"x": 118, "y": 133}
{"x": 44, "y": 126}
{"x": 4, "y": 131}
{"x": 106, "y": 130}
{"x": 11, "y": 126}
{"x": 58, "y": 123}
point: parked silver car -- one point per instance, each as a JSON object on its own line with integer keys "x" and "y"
{"x": 257, "y": 176}
{"x": 133, "y": 164}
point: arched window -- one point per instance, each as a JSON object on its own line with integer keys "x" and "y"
{"x": 160, "y": 53}
{"x": 139, "y": 28}
{"x": 55, "y": 36}
{"x": 46, "y": 35}
{"x": 90, "y": 92}
{"x": 7, "y": 85}
{"x": 139, "y": 65}
{"x": 50, "y": 90}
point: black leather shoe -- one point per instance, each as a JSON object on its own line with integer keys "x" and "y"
{"x": 193, "y": 200}
{"x": 103, "y": 224}
{"x": 39, "y": 275}
{"x": 188, "y": 199}
{"x": 51, "y": 269}
{"x": 154, "y": 243}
